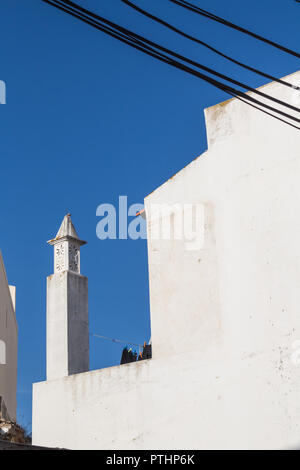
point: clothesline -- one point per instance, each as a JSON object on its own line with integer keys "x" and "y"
{"x": 114, "y": 340}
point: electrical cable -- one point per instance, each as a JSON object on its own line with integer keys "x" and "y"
{"x": 207, "y": 14}
{"x": 178, "y": 56}
{"x": 208, "y": 46}
{"x": 132, "y": 41}
{"x": 133, "y": 35}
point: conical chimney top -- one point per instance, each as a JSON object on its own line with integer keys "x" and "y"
{"x": 66, "y": 232}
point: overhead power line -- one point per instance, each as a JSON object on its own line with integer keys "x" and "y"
{"x": 141, "y": 44}
{"x": 144, "y": 41}
{"x": 208, "y": 46}
{"x": 207, "y": 14}
{"x": 130, "y": 38}
{"x": 180, "y": 57}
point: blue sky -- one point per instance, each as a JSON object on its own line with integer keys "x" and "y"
{"x": 88, "y": 119}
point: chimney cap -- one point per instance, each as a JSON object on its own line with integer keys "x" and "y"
{"x": 66, "y": 232}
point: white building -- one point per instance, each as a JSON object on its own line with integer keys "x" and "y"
{"x": 224, "y": 315}
{"x": 8, "y": 347}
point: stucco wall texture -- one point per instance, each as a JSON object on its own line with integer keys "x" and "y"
{"x": 224, "y": 318}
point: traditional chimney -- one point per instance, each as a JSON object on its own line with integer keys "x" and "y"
{"x": 67, "y": 307}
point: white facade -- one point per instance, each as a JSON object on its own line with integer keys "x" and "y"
{"x": 8, "y": 345}
{"x": 224, "y": 317}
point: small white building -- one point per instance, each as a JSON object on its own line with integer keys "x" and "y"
{"x": 8, "y": 347}
{"x": 225, "y": 319}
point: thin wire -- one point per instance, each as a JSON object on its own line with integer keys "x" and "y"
{"x": 208, "y": 46}
{"x": 169, "y": 61}
{"x": 149, "y": 51}
{"x": 117, "y": 340}
{"x": 266, "y": 112}
{"x": 126, "y": 31}
{"x": 207, "y": 14}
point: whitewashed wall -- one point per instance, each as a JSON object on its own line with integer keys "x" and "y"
{"x": 224, "y": 318}
{"x": 9, "y": 337}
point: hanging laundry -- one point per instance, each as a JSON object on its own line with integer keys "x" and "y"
{"x": 129, "y": 356}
